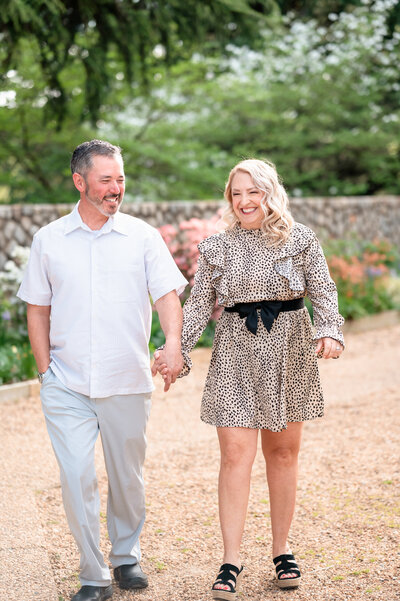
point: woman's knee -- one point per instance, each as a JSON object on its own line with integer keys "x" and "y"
{"x": 282, "y": 456}
{"x": 282, "y": 447}
{"x": 234, "y": 454}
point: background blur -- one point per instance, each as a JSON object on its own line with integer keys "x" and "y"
{"x": 188, "y": 88}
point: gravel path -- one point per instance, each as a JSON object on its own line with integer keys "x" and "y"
{"x": 346, "y": 529}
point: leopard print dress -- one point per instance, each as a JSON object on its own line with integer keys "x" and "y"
{"x": 271, "y": 378}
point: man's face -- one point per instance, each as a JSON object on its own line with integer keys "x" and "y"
{"x": 104, "y": 184}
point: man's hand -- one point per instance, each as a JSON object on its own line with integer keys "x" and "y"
{"x": 169, "y": 363}
{"x": 160, "y": 366}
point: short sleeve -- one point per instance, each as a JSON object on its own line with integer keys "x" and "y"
{"x": 162, "y": 274}
{"x": 35, "y": 287}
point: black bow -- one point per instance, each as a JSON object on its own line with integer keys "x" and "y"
{"x": 269, "y": 312}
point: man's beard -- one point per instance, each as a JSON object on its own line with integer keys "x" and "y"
{"x": 107, "y": 205}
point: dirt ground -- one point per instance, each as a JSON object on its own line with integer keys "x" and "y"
{"x": 345, "y": 534}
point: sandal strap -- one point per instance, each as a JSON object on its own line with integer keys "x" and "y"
{"x": 225, "y": 575}
{"x": 285, "y": 564}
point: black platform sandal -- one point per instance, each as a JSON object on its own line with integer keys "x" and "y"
{"x": 228, "y": 575}
{"x": 286, "y": 564}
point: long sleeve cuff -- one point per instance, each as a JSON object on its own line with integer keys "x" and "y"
{"x": 187, "y": 364}
{"x": 329, "y": 331}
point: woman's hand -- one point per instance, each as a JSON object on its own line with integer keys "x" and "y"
{"x": 167, "y": 365}
{"x": 328, "y": 348}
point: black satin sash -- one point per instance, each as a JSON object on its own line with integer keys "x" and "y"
{"x": 269, "y": 311}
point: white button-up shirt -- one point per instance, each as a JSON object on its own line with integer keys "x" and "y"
{"x": 98, "y": 285}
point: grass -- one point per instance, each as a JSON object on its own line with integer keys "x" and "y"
{"x": 159, "y": 565}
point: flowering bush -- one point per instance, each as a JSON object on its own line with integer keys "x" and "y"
{"x": 183, "y": 243}
{"x": 319, "y": 99}
{"x": 16, "y": 358}
{"x": 16, "y": 363}
{"x": 366, "y": 275}
{"x": 12, "y": 310}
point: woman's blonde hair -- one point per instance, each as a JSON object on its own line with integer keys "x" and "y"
{"x": 278, "y": 221}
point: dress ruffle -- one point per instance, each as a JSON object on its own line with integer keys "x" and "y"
{"x": 290, "y": 262}
{"x": 214, "y": 249}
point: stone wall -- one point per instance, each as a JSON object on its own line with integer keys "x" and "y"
{"x": 368, "y": 217}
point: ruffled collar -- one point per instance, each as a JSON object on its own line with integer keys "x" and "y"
{"x": 239, "y": 230}
{"x": 299, "y": 239}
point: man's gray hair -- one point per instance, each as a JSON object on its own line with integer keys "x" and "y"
{"x": 81, "y": 160}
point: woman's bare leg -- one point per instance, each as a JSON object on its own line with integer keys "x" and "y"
{"x": 281, "y": 451}
{"x": 238, "y": 450}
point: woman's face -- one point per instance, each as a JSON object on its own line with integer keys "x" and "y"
{"x": 246, "y": 201}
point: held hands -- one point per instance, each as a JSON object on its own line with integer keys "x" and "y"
{"x": 328, "y": 348}
{"x": 169, "y": 363}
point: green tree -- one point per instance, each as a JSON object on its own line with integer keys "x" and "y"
{"x": 322, "y": 11}
{"x": 323, "y": 104}
{"x": 34, "y": 151}
{"x": 66, "y": 65}
{"x": 97, "y": 35}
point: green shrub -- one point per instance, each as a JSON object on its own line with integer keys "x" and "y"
{"x": 16, "y": 363}
{"x": 16, "y": 358}
{"x": 366, "y": 276}
{"x": 157, "y": 337}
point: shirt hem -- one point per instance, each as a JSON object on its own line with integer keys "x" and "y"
{"x": 85, "y": 392}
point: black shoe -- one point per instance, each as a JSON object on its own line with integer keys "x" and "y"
{"x": 286, "y": 564}
{"x": 130, "y": 576}
{"x": 93, "y": 593}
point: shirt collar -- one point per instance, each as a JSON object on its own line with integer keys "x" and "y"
{"x": 74, "y": 221}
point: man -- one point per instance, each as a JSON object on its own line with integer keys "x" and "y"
{"x": 87, "y": 286}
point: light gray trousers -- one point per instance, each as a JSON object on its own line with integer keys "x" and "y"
{"x": 74, "y": 422}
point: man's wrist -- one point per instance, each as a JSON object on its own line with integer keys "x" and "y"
{"x": 40, "y": 376}
{"x": 41, "y": 370}
{"x": 173, "y": 341}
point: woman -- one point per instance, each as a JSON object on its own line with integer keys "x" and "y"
{"x": 263, "y": 374}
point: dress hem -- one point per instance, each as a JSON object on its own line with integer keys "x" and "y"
{"x": 252, "y": 427}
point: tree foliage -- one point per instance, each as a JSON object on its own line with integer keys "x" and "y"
{"x": 96, "y": 34}
{"x": 321, "y": 101}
